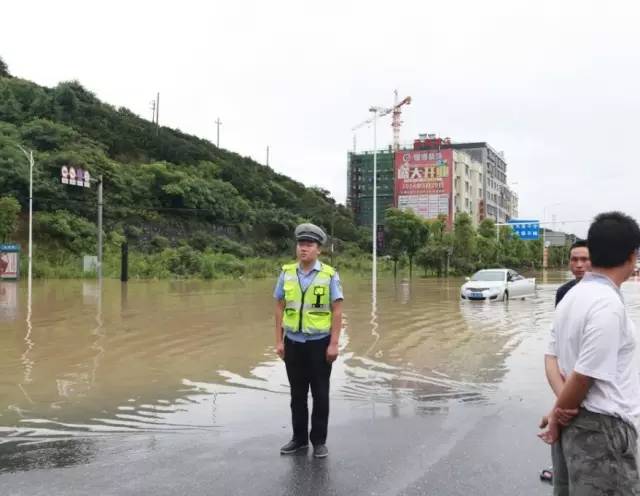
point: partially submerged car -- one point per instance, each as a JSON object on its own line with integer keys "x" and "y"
{"x": 497, "y": 284}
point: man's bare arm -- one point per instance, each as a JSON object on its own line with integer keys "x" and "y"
{"x": 279, "y": 310}
{"x": 554, "y": 376}
{"x": 336, "y": 327}
{"x": 571, "y": 397}
{"x": 574, "y": 391}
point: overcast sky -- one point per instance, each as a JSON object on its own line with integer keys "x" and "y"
{"x": 554, "y": 84}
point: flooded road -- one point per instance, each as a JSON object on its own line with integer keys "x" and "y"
{"x": 196, "y": 359}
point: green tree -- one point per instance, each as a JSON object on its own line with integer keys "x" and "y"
{"x": 64, "y": 229}
{"x": 487, "y": 229}
{"x": 487, "y": 251}
{"x": 9, "y": 210}
{"x": 10, "y": 108}
{"x": 394, "y": 236}
{"x": 46, "y": 135}
{"x": 534, "y": 254}
{"x": 417, "y": 235}
{"x": 437, "y": 251}
{"x": 406, "y": 233}
{"x": 464, "y": 237}
{"x": 4, "y": 69}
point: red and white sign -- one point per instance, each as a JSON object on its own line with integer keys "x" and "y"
{"x": 8, "y": 265}
{"x": 75, "y": 177}
{"x": 424, "y": 182}
{"x": 64, "y": 173}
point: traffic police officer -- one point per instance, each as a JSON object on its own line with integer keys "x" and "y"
{"x": 308, "y": 322}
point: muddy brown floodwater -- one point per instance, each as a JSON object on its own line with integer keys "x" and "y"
{"x": 198, "y": 356}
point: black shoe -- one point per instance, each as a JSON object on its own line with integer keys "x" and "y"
{"x": 320, "y": 451}
{"x": 293, "y": 446}
{"x": 547, "y": 475}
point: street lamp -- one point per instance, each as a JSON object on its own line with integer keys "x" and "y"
{"x": 29, "y": 156}
{"x": 374, "y": 226}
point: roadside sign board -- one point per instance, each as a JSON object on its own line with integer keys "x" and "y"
{"x": 9, "y": 261}
{"x": 526, "y": 229}
{"x": 75, "y": 176}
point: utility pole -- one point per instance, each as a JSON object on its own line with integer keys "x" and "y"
{"x": 99, "y": 228}
{"x": 267, "y": 155}
{"x": 374, "y": 222}
{"x": 30, "y": 159}
{"x": 218, "y": 124}
{"x": 157, "y": 114}
{"x": 333, "y": 215}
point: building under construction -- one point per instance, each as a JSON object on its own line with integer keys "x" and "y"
{"x": 360, "y": 185}
{"x": 435, "y": 178}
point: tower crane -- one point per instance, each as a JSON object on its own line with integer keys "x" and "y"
{"x": 396, "y": 123}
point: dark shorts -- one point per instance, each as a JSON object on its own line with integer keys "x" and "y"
{"x": 596, "y": 455}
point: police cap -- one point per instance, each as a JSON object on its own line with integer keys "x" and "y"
{"x": 310, "y": 232}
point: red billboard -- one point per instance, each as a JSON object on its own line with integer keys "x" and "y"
{"x": 9, "y": 266}
{"x": 424, "y": 182}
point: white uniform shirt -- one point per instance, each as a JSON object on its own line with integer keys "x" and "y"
{"x": 592, "y": 335}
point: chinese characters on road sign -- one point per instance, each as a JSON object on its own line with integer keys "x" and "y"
{"x": 75, "y": 176}
{"x": 526, "y": 229}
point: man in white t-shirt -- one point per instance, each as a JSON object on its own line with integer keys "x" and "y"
{"x": 595, "y": 451}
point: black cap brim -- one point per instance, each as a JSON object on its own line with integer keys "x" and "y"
{"x": 309, "y": 238}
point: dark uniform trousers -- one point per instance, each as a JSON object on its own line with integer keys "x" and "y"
{"x": 307, "y": 366}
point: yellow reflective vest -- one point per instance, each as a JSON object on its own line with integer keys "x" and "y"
{"x": 307, "y": 311}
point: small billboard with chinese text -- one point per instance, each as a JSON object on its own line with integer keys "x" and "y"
{"x": 424, "y": 182}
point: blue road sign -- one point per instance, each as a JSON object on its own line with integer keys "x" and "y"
{"x": 9, "y": 247}
{"x": 526, "y": 229}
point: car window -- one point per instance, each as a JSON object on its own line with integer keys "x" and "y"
{"x": 488, "y": 275}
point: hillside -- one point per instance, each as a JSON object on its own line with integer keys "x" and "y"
{"x": 162, "y": 191}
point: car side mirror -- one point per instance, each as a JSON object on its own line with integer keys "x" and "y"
{"x": 467, "y": 279}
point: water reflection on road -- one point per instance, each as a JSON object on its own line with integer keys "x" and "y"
{"x": 175, "y": 356}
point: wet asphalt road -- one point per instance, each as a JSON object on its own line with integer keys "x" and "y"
{"x": 479, "y": 450}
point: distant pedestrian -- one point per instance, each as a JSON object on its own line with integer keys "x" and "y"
{"x": 579, "y": 264}
{"x": 593, "y": 340}
{"x": 308, "y": 323}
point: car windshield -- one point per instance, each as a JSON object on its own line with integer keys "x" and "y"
{"x": 488, "y": 275}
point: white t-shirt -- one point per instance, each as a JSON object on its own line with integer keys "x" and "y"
{"x": 592, "y": 335}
